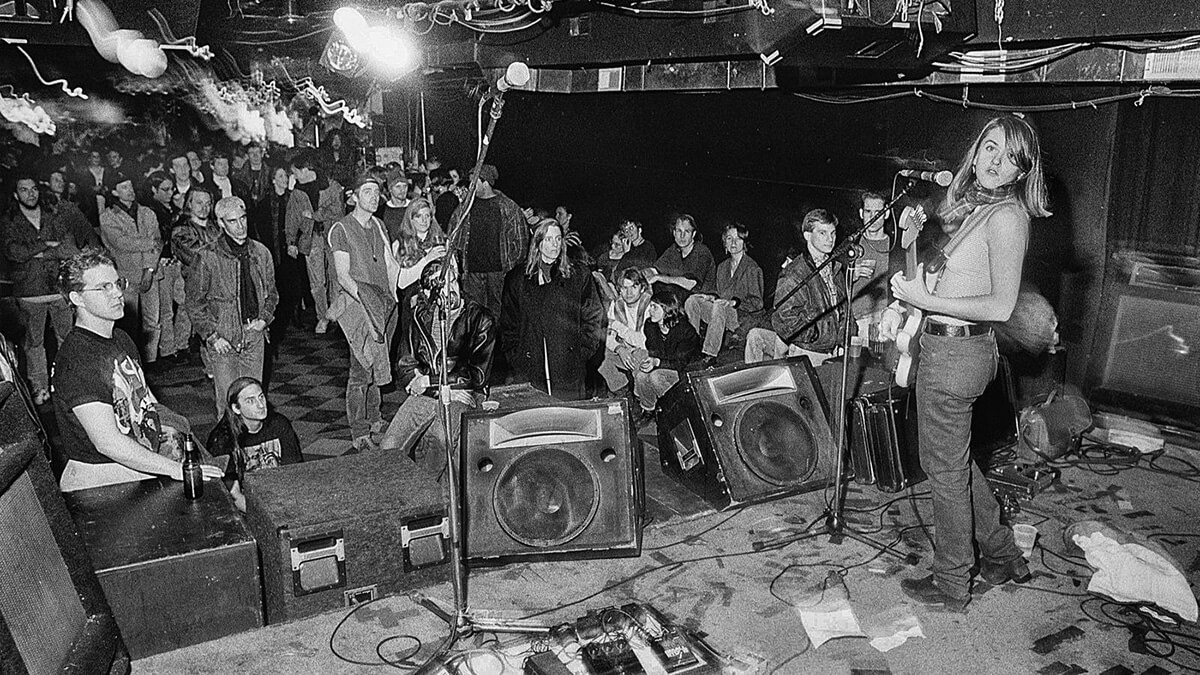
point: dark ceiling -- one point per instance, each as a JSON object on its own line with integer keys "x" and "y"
{"x": 853, "y": 41}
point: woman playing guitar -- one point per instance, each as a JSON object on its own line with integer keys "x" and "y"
{"x": 997, "y": 188}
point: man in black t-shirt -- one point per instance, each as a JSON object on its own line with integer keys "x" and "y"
{"x": 108, "y": 417}
{"x": 497, "y": 239}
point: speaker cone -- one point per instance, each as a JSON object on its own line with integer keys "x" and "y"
{"x": 776, "y": 443}
{"x": 546, "y": 497}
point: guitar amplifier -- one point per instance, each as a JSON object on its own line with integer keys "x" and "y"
{"x": 883, "y": 445}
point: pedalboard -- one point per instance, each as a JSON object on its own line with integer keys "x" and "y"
{"x": 1020, "y": 481}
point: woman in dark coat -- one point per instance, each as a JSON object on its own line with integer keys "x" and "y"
{"x": 551, "y": 318}
{"x": 671, "y": 344}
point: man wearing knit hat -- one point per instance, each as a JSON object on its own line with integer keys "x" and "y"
{"x": 497, "y": 239}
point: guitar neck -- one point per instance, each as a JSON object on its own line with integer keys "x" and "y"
{"x": 910, "y": 261}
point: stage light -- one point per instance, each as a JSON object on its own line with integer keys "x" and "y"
{"x": 390, "y": 52}
{"x": 354, "y": 26}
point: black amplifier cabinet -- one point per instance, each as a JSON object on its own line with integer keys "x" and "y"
{"x": 883, "y": 439}
{"x": 176, "y": 571}
{"x": 340, "y": 531}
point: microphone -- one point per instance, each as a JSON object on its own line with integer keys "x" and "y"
{"x": 942, "y": 178}
{"x": 516, "y": 75}
{"x": 851, "y": 254}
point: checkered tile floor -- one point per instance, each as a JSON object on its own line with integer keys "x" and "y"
{"x": 307, "y": 384}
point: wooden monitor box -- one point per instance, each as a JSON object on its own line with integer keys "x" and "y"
{"x": 176, "y": 572}
{"x": 340, "y": 531}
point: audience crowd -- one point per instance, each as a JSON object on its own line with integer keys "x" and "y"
{"x": 217, "y": 255}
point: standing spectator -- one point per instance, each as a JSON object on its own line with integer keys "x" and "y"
{"x": 552, "y": 320}
{"x": 231, "y": 299}
{"x": 671, "y": 344}
{"x": 130, "y": 232}
{"x": 625, "y": 345}
{"x": 872, "y": 270}
{"x": 687, "y": 265}
{"x": 419, "y": 242}
{"x": 256, "y": 174}
{"x": 392, "y": 211}
{"x": 289, "y": 276}
{"x": 738, "y": 296}
{"x": 316, "y": 203}
{"x": 441, "y": 191}
{"x": 34, "y": 242}
{"x": 367, "y": 274}
{"x": 57, "y": 198}
{"x": 174, "y": 325}
{"x": 226, "y": 185}
{"x": 181, "y": 173}
{"x": 497, "y": 237}
{"x": 93, "y": 186}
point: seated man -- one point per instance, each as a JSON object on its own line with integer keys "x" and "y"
{"x": 738, "y": 297}
{"x": 810, "y": 318}
{"x": 625, "y": 345}
{"x": 687, "y": 265}
{"x": 469, "y": 345}
{"x": 109, "y": 420}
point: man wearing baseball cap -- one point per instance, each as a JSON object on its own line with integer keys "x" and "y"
{"x": 365, "y": 308}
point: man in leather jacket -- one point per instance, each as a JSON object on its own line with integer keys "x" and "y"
{"x": 469, "y": 344}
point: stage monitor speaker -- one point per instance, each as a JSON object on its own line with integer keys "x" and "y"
{"x": 551, "y": 481}
{"x": 747, "y": 433}
{"x": 53, "y": 614}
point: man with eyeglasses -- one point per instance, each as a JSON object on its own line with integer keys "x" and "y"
{"x": 108, "y": 419}
{"x": 34, "y": 241}
{"x": 231, "y": 299}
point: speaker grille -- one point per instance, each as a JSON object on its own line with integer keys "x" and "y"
{"x": 776, "y": 443}
{"x": 546, "y": 497}
{"x": 37, "y": 597}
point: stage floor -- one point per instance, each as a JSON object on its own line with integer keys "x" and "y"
{"x": 741, "y": 577}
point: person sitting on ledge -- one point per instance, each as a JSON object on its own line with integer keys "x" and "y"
{"x": 738, "y": 282}
{"x": 469, "y": 344}
{"x": 110, "y": 422}
{"x": 671, "y": 344}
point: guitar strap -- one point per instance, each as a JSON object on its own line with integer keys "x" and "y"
{"x": 980, "y": 215}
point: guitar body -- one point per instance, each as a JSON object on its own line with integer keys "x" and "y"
{"x": 908, "y": 338}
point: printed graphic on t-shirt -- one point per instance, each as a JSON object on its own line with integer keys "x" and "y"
{"x": 136, "y": 416}
{"x": 263, "y": 455}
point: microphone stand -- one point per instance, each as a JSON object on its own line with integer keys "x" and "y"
{"x": 462, "y": 623}
{"x": 835, "y": 521}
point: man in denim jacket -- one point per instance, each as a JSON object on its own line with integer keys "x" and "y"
{"x": 231, "y": 299}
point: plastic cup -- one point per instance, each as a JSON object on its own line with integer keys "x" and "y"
{"x": 1026, "y": 536}
{"x": 856, "y": 344}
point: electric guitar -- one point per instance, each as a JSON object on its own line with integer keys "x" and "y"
{"x": 908, "y": 343}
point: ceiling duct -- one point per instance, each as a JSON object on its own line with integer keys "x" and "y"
{"x": 806, "y": 38}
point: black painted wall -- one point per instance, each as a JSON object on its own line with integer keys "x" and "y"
{"x": 764, "y": 158}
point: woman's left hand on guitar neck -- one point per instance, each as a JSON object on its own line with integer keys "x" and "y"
{"x": 913, "y": 291}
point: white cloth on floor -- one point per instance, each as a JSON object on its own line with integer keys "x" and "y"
{"x": 1133, "y": 573}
